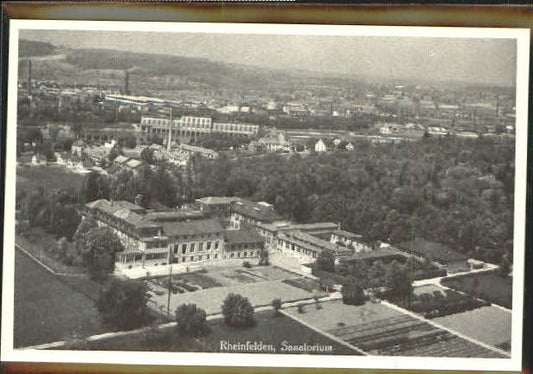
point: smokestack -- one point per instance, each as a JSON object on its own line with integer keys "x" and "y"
{"x": 29, "y": 77}
{"x": 126, "y": 83}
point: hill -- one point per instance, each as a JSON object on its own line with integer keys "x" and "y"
{"x": 28, "y": 48}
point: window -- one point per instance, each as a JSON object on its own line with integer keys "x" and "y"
{"x": 208, "y": 257}
{"x": 208, "y": 246}
{"x": 201, "y": 246}
{"x": 183, "y": 248}
{"x": 192, "y": 258}
{"x": 200, "y": 258}
{"x": 216, "y": 245}
{"x": 245, "y": 254}
{"x": 191, "y": 248}
{"x": 216, "y": 255}
{"x": 231, "y": 255}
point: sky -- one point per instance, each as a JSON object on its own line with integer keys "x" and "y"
{"x": 488, "y": 61}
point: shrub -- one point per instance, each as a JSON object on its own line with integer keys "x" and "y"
{"x": 237, "y": 311}
{"x": 246, "y": 264}
{"x": 191, "y": 320}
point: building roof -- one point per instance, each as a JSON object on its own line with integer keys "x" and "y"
{"x": 121, "y": 210}
{"x": 306, "y": 227}
{"x": 243, "y": 236}
{"x": 313, "y": 243}
{"x": 435, "y": 251}
{"x": 193, "y": 148}
{"x": 175, "y": 215}
{"x": 254, "y": 210}
{"x": 377, "y": 254}
{"x": 134, "y": 164}
{"x": 193, "y": 227}
{"x": 120, "y": 159}
{"x": 217, "y": 200}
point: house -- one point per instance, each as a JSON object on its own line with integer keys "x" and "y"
{"x": 203, "y": 152}
{"x": 220, "y": 205}
{"x": 350, "y": 240}
{"x": 38, "y": 159}
{"x": 243, "y": 243}
{"x": 194, "y": 240}
{"x": 349, "y": 147}
{"x": 452, "y": 260}
{"x": 307, "y": 247}
{"x": 271, "y": 231}
{"x": 77, "y": 147}
{"x": 274, "y": 142}
{"x": 143, "y": 240}
{"x": 134, "y": 165}
{"x": 121, "y": 160}
{"x": 320, "y": 146}
{"x": 245, "y": 212}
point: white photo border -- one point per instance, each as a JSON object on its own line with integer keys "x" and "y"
{"x": 513, "y": 363}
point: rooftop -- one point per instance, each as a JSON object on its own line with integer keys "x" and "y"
{"x": 255, "y": 210}
{"x": 313, "y": 243}
{"x": 432, "y": 250}
{"x": 243, "y": 236}
{"x": 375, "y": 254}
{"x": 217, "y": 200}
{"x": 121, "y": 210}
{"x": 175, "y": 215}
{"x": 192, "y": 227}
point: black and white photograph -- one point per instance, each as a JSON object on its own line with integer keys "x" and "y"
{"x": 265, "y": 194}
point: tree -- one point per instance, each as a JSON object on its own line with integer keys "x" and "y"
{"x": 129, "y": 141}
{"x": 399, "y": 280}
{"x": 114, "y": 152}
{"x": 276, "y": 304}
{"x": 352, "y": 292}
{"x": 99, "y": 248}
{"x": 147, "y": 155}
{"x": 263, "y": 257}
{"x": 237, "y": 311}
{"x": 505, "y": 266}
{"x": 123, "y": 304}
{"x": 96, "y": 187}
{"x": 326, "y": 260}
{"x": 191, "y": 320}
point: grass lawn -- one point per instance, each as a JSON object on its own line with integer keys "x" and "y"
{"x": 488, "y": 286}
{"x": 47, "y": 309}
{"x": 489, "y": 324}
{"x": 51, "y": 178}
{"x": 269, "y": 330}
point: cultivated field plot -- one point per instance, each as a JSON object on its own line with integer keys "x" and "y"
{"x": 490, "y": 325}
{"x": 269, "y": 329}
{"x": 259, "y": 293}
{"x": 380, "y": 330}
{"x": 47, "y": 309}
{"x": 240, "y": 275}
{"x": 181, "y": 283}
{"x": 50, "y": 177}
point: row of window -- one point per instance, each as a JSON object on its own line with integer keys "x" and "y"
{"x": 298, "y": 249}
{"x": 191, "y": 247}
{"x": 215, "y": 256}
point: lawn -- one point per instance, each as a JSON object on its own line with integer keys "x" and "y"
{"x": 269, "y": 330}
{"x": 488, "y": 286}
{"x": 47, "y": 309}
{"x": 51, "y": 178}
{"x": 490, "y": 325}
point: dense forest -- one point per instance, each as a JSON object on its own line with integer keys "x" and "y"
{"x": 453, "y": 191}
